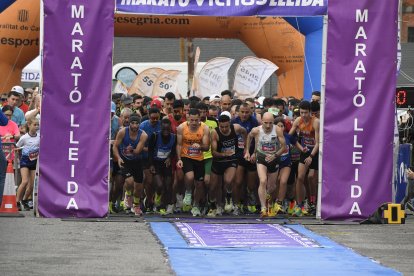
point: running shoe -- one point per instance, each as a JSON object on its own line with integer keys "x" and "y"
{"x": 312, "y": 209}
{"x": 252, "y": 209}
{"x": 157, "y": 200}
{"x": 137, "y": 210}
{"x": 298, "y": 211}
{"x": 111, "y": 207}
{"x": 30, "y": 204}
{"x": 162, "y": 212}
{"x": 179, "y": 203}
{"x": 228, "y": 206}
{"x": 187, "y": 199}
{"x": 263, "y": 212}
{"x": 212, "y": 213}
{"x": 196, "y": 211}
{"x": 291, "y": 208}
{"x": 219, "y": 211}
{"x": 128, "y": 201}
{"x": 236, "y": 210}
{"x": 277, "y": 208}
{"x": 170, "y": 209}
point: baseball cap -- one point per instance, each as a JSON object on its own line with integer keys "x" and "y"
{"x": 215, "y": 97}
{"x": 226, "y": 113}
{"x": 113, "y": 107}
{"x": 157, "y": 103}
{"x": 126, "y": 99}
{"x": 18, "y": 89}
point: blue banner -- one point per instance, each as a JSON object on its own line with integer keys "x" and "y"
{"x": 225, "y": 7}
{"x": 400, "y": 183}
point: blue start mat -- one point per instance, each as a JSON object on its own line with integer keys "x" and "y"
{"x": 246, "y": 250}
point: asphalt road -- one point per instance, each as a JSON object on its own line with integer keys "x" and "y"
{"x": 37, "y": 246}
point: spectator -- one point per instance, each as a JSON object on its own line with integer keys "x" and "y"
{"x": 3, "y": 162}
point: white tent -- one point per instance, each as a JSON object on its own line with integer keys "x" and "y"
{"x": 32, "y": 71}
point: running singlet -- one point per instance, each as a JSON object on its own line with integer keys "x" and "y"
{"x": 249, "y": 124}
{"x": 127, "y": 141}
{"x": 307, "y": 132}
{"x": 227, "y": 144}
{"x": 212, "y": 124}
{"x": 190, "y": 138}
{"x": 30, "y": 146}
{"x": 163, "y": 151}
{"x": 268, "y": 143}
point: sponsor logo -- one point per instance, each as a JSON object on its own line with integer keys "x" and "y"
{"x": 22, "y": 15}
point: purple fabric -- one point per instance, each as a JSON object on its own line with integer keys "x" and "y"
{"x": 85, "y": 137}
{"x": 345, "y": 144}
{"x": 242, "y": 235}
{"x": 226, "y": 7}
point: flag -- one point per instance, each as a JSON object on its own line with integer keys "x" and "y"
{"x": 143, "y": 83}
{"x": 212, "y": 75}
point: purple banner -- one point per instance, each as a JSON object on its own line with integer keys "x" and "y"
{"x": 225, "y": 7}
{"x": 359, "y": 113}
{"x": 242, "y": 235}
{"x": 74, "y": 146}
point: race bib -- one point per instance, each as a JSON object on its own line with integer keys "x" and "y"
{"x": 162, "y": 154}
{"x": 231, "y": 150}
{"x": 194, "y": 151}
{"x": 33, "y": 155}
{"x": 240, "y": 143}
{"x": 268, "y": 147}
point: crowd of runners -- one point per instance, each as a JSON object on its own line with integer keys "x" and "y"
{"x": 215, "y": 155}
{"x": 206, "y": 156}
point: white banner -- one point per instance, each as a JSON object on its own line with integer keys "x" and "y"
{"x": 120, "y": 88}
{"x": 212, "y": 75}
{"x": 167, "y": 82}
{"x": 251, "y": 74}
{"x": 143, "y": 83}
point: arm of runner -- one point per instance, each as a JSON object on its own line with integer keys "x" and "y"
{"x": 205, "y": 143}
{"x": 251, "y": 135}
{"x": 115, "y": 149}
{"x": 316, "y": 147}
{"x": 151, "y": 148}
{"x": 214, "y": 138}
{"x": 240, "y": 131}
{"x": 142, "y": 140}
{"x": 179, "y": 146}
{"x": 294, "y": 126}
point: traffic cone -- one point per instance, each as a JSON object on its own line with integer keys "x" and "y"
{"x": 8, "y": 204}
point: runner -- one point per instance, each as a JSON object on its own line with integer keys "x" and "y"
{"x": 308, "y": 128}
{"x": 284, "y": 171}
{"x": 29, "y": 144}
{"x": 224, "y": 146}
{"x": 177, "y": 118}
{"x": 128, "y": 145}
{"x": 246, "y": 173}
{"x": 211, "y": 122}
{"x": 270, "y": 145}
{"x": 150, "y": 126}
{"x": 161, "y": 150}
{"x": 193, "y": 137}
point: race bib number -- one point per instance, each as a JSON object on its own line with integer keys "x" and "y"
{"x": 127, "y": 153}
{"x": 240, "y": 143}
{"x": 229, "y": 150}
{"x": 268, "y": 147}
{"x": 161, "y": 154}
{"x": 33, "y": 155}
{"x": 194, "y": 151}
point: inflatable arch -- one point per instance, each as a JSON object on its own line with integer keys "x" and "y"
{"x": 272, "y": 38}
{"x": 357, "y": 78}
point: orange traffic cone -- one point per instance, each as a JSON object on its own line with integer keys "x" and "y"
{"x": 8, "y": 204}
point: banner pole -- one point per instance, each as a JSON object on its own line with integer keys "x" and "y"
{"x": 322, "y": 113}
